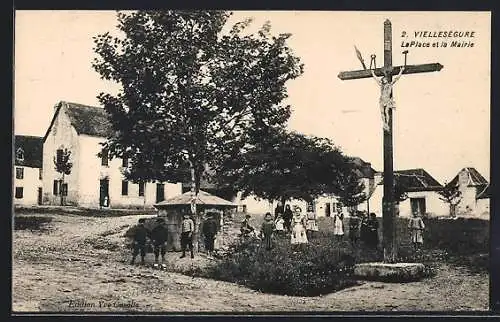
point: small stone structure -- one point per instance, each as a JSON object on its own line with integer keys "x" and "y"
{"x": 384, "y": 272}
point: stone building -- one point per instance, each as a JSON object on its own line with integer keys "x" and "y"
{"x": 475, "y": 195}
{"x": 93, "y": 182}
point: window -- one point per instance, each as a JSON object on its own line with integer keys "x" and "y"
{"x": 19, "y": 192}
{"x": 55, "y": 188}
{"x": 104, "y": 158}
{"x": 40, "y": 173}
{"x": 59, "y": 155}
{"x": 141, "y": 189}
{"x": 125, "y": 162}
{"x": 20, "y": 154}
{"x": 19, "y": 173}
{"x": 64, "y": 189}
{"x": 124, "y": 188}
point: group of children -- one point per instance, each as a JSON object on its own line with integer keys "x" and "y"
{"x": 362, "y": 227}
{"x": 300, "y": 227}
{"x": 159, "y": 236}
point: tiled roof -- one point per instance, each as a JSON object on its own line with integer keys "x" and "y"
{"x": 32, "y": 147}
{"x": 475, "y": 178}
{"x": 89, "y": 120}
{"x": 416, "y": 180}
{"x": 204, "y": 198}
{"x": 483, "y": 192}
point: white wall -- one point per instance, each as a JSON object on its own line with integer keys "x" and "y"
{"x": 433, "y": 205}
{"x": 30, "y": 184}
{"x": 62, "y": 135}
{"x": 92, "y": 172}
{"x": 483, "y": 208}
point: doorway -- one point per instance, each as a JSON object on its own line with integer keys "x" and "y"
{"x": 418, "y": 206}
{"x": 160, "y": 192}
{"x": 328, "y": 210}
{"x": 39, "y": 196}
{"x": 104, "y": 193}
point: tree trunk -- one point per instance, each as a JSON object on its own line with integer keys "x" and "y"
{"x": 61, "y": 190}
{"x": 197, "y": 216}
{"x": 144, "y": 199}
{"x": 283, "y": 200}
{"x": 452, "y": 210}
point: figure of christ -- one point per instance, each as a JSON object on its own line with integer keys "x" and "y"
{"x": 386, "y": 101}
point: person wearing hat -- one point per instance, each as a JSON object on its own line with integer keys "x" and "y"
{"x": 140, "y": 234}
{"x": 246, "y": 229}
{"x": 267, "y": 229}
{"x": 210, "y": 229}
{"x": 187, "y": 229}
{"x": 159, "y": 236}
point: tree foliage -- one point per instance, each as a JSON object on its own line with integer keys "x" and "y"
{"x": 351, "y": 190}
{"x": 451, "y": 195}
{"x": 63, "y": 165}
{"x": 62, "y": 162}
{"x": 191, "y": 93}
{"x": 287, "y": 165}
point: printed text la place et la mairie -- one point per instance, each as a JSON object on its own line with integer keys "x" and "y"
{"x": 435, "y": 39}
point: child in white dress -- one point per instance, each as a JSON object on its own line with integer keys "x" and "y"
{"x": 299, "y": 235}
{"x": 280, "y": 225}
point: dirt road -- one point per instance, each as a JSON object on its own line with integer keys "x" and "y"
{"x": 61, "y": 270}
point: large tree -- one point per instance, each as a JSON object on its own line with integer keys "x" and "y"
{"x": 284, "y": 166}
{"x": 192, "y": 94}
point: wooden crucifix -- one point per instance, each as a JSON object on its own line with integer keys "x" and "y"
{"x": 388, "y": 213}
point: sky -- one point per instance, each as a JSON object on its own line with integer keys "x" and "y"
{"x": 442, "y": 120}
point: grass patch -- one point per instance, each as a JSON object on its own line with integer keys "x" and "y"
{"x": 31, "y": 222}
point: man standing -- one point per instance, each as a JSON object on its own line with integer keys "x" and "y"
{"x": 187, "y": 235}
{"x": 210, "y": 229}
{"x": 159, "y": 236}
{"x": 139, "y": 241}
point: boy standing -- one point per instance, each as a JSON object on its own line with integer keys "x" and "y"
{"x": 159, "y": 238}
{"x": 416, "y": 226}
{"x": 210, "y": 229}
{"x": 187, "y": 235}
{"x": 139, "y": 243}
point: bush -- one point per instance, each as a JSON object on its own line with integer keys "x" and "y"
{"x": 314, "y": 269}
{"x": 31, "y": 222}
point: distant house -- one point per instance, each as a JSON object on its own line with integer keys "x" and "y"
{"x": 94, "y": 182}
{"x": 422, "y": 190}
{"x": 27, "y": 170}
{"x": 325, "y": 205}
{"x": 475, "y": 191}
